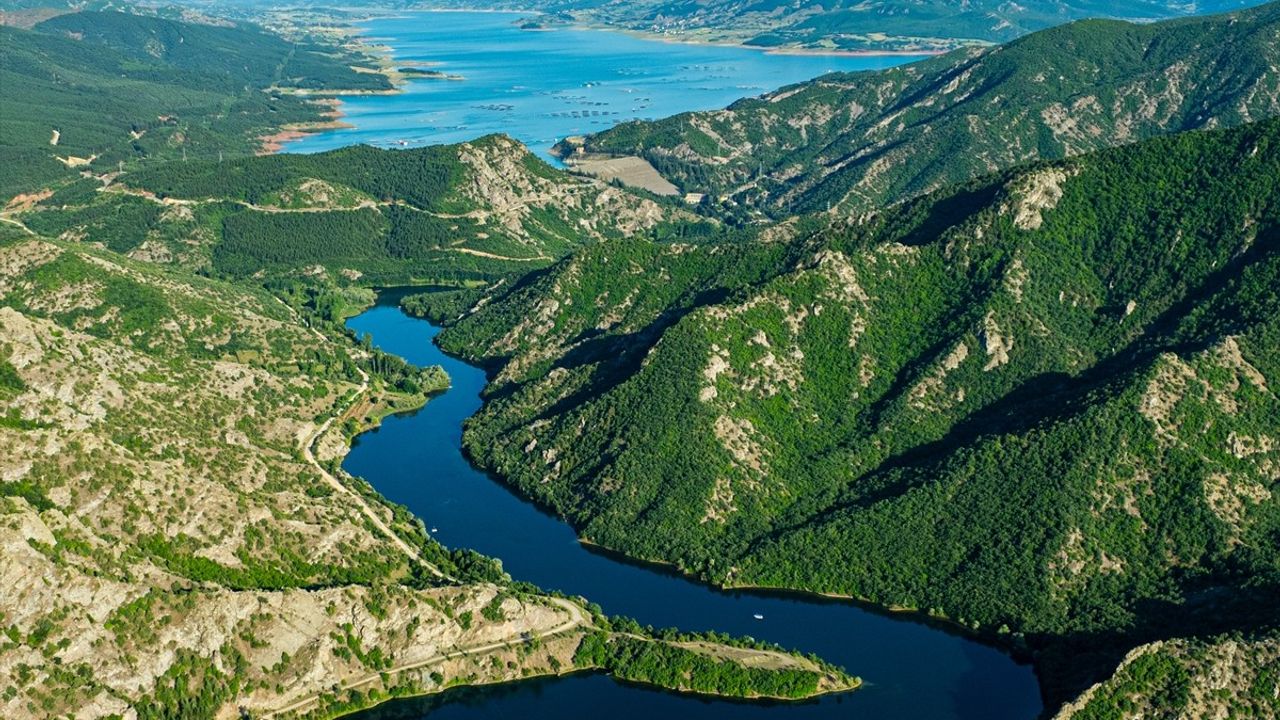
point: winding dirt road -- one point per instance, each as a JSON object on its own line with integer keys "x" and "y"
{"x": 577, "y": 618}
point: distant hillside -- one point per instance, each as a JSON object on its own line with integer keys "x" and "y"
{"x": 450, "y": 213}
{"x": 1042, "y": 404}
{"x": 231, "y": 55}
{"x": 97, "y": 89}
{"x": 853, "y": 142}
{"x": 857, "y": 25}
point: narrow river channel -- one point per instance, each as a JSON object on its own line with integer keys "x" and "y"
{"x": 913, "y": 670}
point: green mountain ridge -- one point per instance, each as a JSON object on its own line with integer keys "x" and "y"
{"x": 857, "y": 141}
{"x": 453, "y": 214}
{"x": 1040, "y": 403}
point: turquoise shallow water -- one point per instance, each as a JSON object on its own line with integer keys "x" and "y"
{"x": 541, "y": 86}
{"x": 913, "y": 670}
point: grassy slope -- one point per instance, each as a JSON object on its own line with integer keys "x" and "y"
{"x": 1042, "y": 400}
{"x": 859, "y": 141}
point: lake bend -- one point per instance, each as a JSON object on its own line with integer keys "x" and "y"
{"x": 912, "y": 669}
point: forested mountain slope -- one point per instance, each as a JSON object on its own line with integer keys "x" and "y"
{"x": 1042, "y": 402}
{"x": 854, "y": 142}
{"x": 89, "y": 90}
{"x": 449, "y": 213}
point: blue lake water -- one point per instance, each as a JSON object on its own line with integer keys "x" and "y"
{"x": 913, "y": 670}
{"x": 541, "y": 86}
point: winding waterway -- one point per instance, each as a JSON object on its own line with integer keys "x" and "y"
{"x": 913, "y": 670}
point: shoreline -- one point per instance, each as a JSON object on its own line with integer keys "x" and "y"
{"x": 755, "y": 700}
{"x": 357, "y": 34}
{"x": 794, "y": 50}
{"x": 941, "y": 622}
{"x": 273, "y": 143}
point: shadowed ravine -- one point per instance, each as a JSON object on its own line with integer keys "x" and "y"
{"x": 912, "y": 669}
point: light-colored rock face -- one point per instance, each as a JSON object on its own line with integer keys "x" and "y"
{"x": 1189, "y": 678}
{"x": 158, "y": 516}
{"x": 1035, "y": 194}
{"x": 499, "y": 182}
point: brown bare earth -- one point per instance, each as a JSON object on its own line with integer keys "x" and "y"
{"x": 274, "y": 143}
{"x": 629, "y": 170}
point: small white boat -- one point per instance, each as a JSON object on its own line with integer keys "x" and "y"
{"x": 758, "y": 616}
{"x": 434, "y": 530}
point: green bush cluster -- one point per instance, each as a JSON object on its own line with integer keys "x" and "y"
{"x": 670, "y": 666}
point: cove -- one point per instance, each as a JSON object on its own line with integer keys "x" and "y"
{"x": 912, "y": 669}
{"x": 540, "y": 86}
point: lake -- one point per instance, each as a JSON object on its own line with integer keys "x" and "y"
{"x": 541, "y": 86}
{"x": 912, "y": 669}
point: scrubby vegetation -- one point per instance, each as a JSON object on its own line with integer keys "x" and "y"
{"x": 100, "y": 88}
{"x": 1225, "y": 676}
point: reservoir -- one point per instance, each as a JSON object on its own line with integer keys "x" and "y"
{"x": 541, "y": 86}
{"x": 913, "y": 670}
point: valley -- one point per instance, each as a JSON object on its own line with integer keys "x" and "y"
{"x": 955, "y": 374}
{"x": 178, "y": 535}
{"x": 913, "y": 668}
